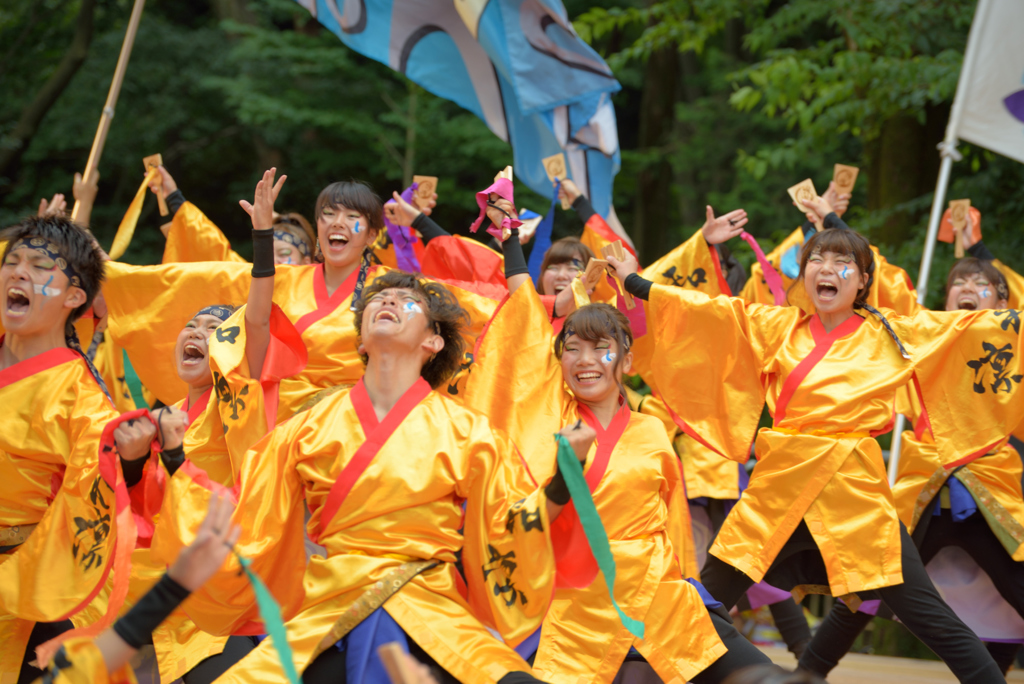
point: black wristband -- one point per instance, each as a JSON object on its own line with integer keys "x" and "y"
{"x": 173, "y": 458}
{"x": 583, "y": 208}
{"x": 174, "y": 202}
{"x": 638, "y": 286}
{"x": 133, "y": 471}
{"x": 556, "y": 490}
{"x": 515, "y": 261}
{"x": 137, "y": 625}
{"x": 809, "y": 229}
{"x": 262, "y": 253}
{"x": 832, "y": 220}
{"x": 428, "y": 228}
{"x": 979, "y": 251}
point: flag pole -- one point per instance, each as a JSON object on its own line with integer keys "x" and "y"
{"x": 108, "y": 108}
{"x": 949, "y": 154}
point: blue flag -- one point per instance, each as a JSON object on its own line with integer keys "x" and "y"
{"x": 516, "y": 64}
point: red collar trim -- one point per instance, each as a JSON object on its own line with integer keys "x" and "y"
{"x": 36, "y": 364}
{"x": 607, "y": 439}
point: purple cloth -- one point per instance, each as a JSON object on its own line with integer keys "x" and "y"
{"x": 362, "y": 664}
{"x": 961, "y": 503}
{"x": 764, "y": 594}
{"x": 1015, "y": 104}
{"x": 402, "y": 237}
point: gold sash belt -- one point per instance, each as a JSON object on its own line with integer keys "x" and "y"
{"x": 14, "y": 536}
{"x": 370, "y": 600}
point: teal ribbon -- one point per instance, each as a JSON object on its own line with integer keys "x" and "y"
{"x": 270, "y": 613}
{"x": 131, "y": 378}
{"x": 593, "y": 528}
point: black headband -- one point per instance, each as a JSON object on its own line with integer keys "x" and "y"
{"x": 218, "y": 311}
{"x": 285, "y": 236}
{"x": 51, "y": 250}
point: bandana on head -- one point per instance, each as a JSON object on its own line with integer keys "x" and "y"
{"x": 285, "y": 236}
{"x": 217, "y": 311}
{"x": 51, "y": 250}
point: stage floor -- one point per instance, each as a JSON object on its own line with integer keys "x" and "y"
{"x": 858, "y": 668}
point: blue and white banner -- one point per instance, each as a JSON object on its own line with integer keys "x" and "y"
{"x": 517, "y": 64}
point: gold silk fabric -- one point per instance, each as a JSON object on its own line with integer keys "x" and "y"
{"x": 517, "y": 382}
{"x": 719, "y": 358}
{"x": 82, "y": 663}
{"x": 54, "y": 414}
{"x": 405, "y": 506}
{"x": 194, "y": 237}
{"x": 1014, "y": 280}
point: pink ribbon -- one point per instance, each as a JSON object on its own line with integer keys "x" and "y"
{"x": 503, "y": 189}
{"x": 771, "y": 276}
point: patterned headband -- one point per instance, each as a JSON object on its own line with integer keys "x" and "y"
{"x": 285, "y": 236}
{"x": 217, "y": 311}
{"x": 51, "y": 250}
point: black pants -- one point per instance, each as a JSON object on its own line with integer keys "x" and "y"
{"x": 840, "y": 628}
{"x": 786, "y": 614}
{"x": 916, "y": 602}
{"x": 329, "y": 668}
{"x": 41, "y": 633}
{"x": 236, "y": 648}
{"x": 741, "y": 653}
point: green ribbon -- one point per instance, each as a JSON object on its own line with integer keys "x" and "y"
{"x": 593, "y": 528}
{"x": 131, "y": 378}
{"x": 270, "y": 613}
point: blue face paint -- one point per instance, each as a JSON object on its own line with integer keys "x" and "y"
{"x": 357, "y": 229}
{"x": 608, "y": 358}
{"x": 985, "y": 293}
{"x": 46, "y": 290}
{"x": 412, "y": 308}
{"x": 846, "y": 267}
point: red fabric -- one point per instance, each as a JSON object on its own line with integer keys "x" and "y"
{"x": 200, "y": 406}
{"x": 599, "y": 226}
{"x": 607, "y": 439}
{"x": 377, "y": 433}
{"x": 326, "y": 304}
{"x": 823, "y": 341}
{"x": 286, "y": 356}
{"x": 575, "y": 565}
{"x": 723, "y": 285}
{"x": 637, "y": 315}
{"x": 450, "y": 258}
{"x": 36, "y": 364}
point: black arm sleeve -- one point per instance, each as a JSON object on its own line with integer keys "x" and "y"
{"x": 809, "y": 229}
{"x": 515, "y": 261}
{"x": 832, "y": 220}
{"x": 137, "y": 625}
{"x": 133, "y": 471}
{"x": 584, "y": 209}
{"x": 428, "y": 228}
{"x": 262, "y": 253}
{"x": 980, "y": 251}
{"x": 174, "y": 202}
{"x": 173, "y": 458}
{"x": 638, "y": 286}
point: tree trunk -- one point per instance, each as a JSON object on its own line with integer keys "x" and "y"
{"x": 32, "y": 115}
{"x": 651, "y": 228}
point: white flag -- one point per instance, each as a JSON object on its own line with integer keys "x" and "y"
{"x": 993, "y": 90}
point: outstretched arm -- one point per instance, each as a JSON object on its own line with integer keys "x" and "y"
{"x": 261, "y": 292}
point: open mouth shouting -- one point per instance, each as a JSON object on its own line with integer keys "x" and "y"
{"x": 386, "y": 315}
{"x": 827, "y": 290}
{"x": 967, "y": 302}
{"x": 17, "y": 301}
{"x": 337, "y": 240}
{"x": 192, "y": 354}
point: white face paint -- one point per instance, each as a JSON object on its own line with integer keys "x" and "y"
{"x": 45, "y": 290}
{"x": 985, "y": 293}
{"x": 842, "y": 274}
{"x": 608, "y": 358}
{"x": 356, "y": 229}
{"x": 412, "y": 308}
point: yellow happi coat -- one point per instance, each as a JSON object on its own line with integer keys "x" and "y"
{"x": 829, "y": 393}
{"x": 65, "y": 523}
{"x": 891, "y": 287}
{"x": 194, "y": 237}
{"x": 994, "y": 481}
{"x": 405, "y": 506}
{"x": 179, "y": 644}
{"x": 81, "y": 662}
{"x": 693, "y": 265}
{"x": 634, "y": 477}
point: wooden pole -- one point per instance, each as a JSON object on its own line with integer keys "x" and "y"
{"x": 108, "y": 109}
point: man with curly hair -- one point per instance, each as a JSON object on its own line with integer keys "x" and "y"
{"x": 402, "y": 483}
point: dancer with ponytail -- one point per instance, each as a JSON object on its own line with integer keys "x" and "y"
{"x": 818, "y": 514}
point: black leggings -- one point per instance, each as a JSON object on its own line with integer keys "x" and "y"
{"x": 329, "y": 668}
{"x": 741, "y": 653}
{"x": 41, "y": 633}
{"x": 236, "y": 648}
{"x": 840, "y": 628}
{"x": 916, "y": 602}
